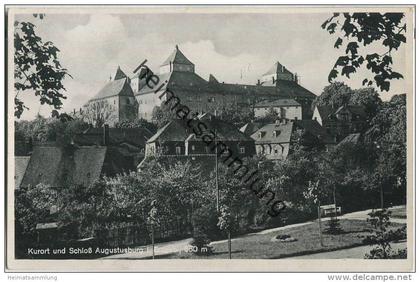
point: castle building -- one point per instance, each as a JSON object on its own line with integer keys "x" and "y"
{"x": 177, "y": 74}
{"x": 115, "y": 102}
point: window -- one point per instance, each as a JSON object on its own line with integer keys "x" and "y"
{"x": 128, "y": 101}
{"x": 178, "y": 150}
{"x": 242, "y": 150}
{"x": 193, "y": 147}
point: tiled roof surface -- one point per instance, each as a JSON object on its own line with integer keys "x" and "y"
{"x": 265, "y": 134}
{"x": 277, "y": 103}
{"x": 119, "y": 87}
{"x": 177, "y": 57}
{"x": 21, "y": 164}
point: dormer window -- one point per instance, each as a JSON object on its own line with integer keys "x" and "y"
{"x": 261, "y": 134}
{"x": 276, "y": 133}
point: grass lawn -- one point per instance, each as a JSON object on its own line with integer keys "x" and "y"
{"x": 261, "y": 246}
{"x": 399, "y": 212}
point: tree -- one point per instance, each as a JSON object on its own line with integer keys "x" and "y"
{"x": 383, "y": 236}
{"x": 236, "y": 114}
{"x": 335, "y": 95}
{"x": 48, "y": 129}
{"x": 225, "y": 224}
{"x": 37, "y": 69}
{"x": 137, "y": 123}
{"x": 388, "y": 137}
{"x": 367, "y": 28}
{"x": 98, "y": 113}
{"x": 369, "y": 98}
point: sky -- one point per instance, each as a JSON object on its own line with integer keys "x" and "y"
{"x": 227, "y": 45}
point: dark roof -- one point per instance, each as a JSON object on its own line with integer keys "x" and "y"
{"x": 285, "y": 102}
{"x": 353, "y": 138}
{"x": 358, "y": 110}
{"x": 266, "y": 135}
{"x": 315, "y": 129}
{"x": 119, "y": 74}
{"x": 44, "y": 166}
{"x": 21, "y": 163}
{"x": 88, "y": 164}
{"x": 250, "y": 128}
{"x": 60, "y": 167}
{"x": 117, "y": 136}
{"x": 177, "y": 57}
{"x": 177, "y": 130}
{"x": 119, "y": 87}
{"x": 176, "y": 81}
{"x": 325, "y": 111}
{"x": 277, "y": 68}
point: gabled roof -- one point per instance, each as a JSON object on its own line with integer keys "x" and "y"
{"x": 21, "y": 163}
{"x": 249, "y": 128}
{"x": 353, "y": 138}
{"x": 175, "y": 130}
{"x": 119, "y": 74}
{"x": 277, "y": 68}
{"x": 284, "y": 102}
{"x": 265, "y": 135}
{"x": 117, "y": 136}
{"x": 177, "y": 57}
{"x": 44, "y": 166}
{"x": 358, "y": 110}
{"x": 119, "y": 87}
{"x": 60, "y": 167}
{"x": 315, "y": 129}
{"x": 176, "y": 80}
{"x": 178, "y": 131}
{"x": 325, "y": 111}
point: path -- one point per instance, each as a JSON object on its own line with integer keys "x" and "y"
{"x": 353, "y": 253}
{"x": 171, "y": 247}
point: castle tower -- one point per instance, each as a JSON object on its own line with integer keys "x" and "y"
{"x": 277, "y": 72}
{"x": 177, "y": 62}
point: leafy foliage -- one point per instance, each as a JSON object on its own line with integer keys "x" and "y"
{"x": 37, "y": 69}
{"x": 48, "y": 129}
{"x": 362, "y": 29}
{"x": 98, "y": 113}
{"x": 383, "y": 236}
{"x": 137, "y": 123}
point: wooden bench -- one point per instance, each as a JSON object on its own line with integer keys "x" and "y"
{"x": 329, "y": 210}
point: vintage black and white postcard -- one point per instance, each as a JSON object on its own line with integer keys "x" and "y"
{"x": 210, "y": 138}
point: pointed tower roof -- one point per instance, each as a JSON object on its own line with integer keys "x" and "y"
{"x": 177, "y": 57}
{"x": 213, "y": 79}
{"x": 276, "y": 68}
{"x": 119, "y": 74}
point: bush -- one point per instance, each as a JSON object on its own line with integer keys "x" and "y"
{"x": 333, "y": 226}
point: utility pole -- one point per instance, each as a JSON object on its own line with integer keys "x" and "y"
{"x": 320, "y": 225}
{"x": 217, "y": 174}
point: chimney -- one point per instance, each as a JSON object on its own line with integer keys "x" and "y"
{"x": 105, "y": 135}
{"x": 277, "y": 121}
{"x": 258, "y": 82}
{"x": 273, "y": 79}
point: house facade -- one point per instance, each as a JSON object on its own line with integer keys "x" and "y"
{"x": 178, "y": 139}
{"x": 285, "y": 108}
{"x": 342, "y": 121}
{"x": 273, "y": 140}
